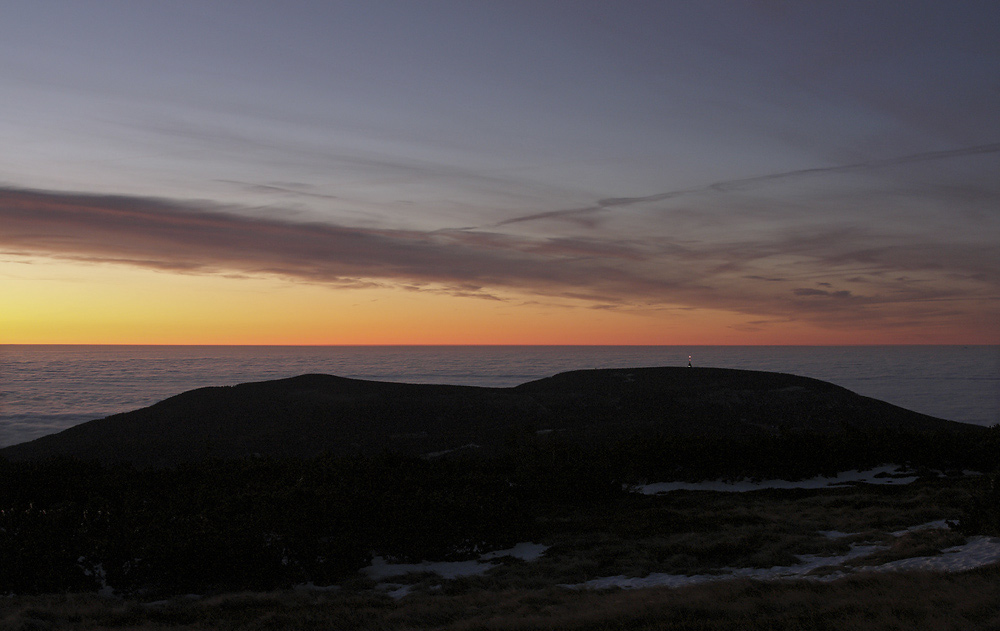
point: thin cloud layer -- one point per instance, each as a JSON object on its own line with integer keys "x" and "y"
{"x": 749, "y": 183}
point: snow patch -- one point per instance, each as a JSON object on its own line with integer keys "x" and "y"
{"x": 395, "y": 590}
{"x": 438, "y": 454}
{"x": 808, "y": 563}
{"x": 886, "y": 474}
{"x": 381, "y": 569}
{"x": 976, "y": 552}
{"x": 941, "y": 524}
{"x": 524, "y": 551}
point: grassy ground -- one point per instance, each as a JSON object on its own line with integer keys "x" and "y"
{"x": 875, "y": 601}
{"x": 684, "y": 532}
{"x": 699, "y": 532}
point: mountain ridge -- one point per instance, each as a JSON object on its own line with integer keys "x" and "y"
{"x": 310, "y": 414}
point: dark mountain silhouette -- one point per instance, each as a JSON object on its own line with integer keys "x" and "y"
{"x": 312, "y": 414}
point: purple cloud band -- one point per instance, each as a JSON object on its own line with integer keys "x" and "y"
{"x": 884, "y": 283}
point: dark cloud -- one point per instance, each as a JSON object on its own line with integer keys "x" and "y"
{"x": 163, "y": 234}
{"x": 756, "y": 277}
{"x": 821, "y": 292}
{"x": 879, "y": 279}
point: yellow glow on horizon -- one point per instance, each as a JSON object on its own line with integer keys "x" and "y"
{"x": 56, "y": 302}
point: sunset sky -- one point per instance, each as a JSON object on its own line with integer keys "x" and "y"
{"x": 508, "y": 172}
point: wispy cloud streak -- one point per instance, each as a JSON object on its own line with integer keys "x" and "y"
{"x": 740, "y": 184}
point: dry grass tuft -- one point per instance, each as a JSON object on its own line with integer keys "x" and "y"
{"x": 912, "y": 601}
{"x": 918, "y": 543}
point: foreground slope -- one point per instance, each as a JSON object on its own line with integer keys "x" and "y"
{"x": 311, "y": 414}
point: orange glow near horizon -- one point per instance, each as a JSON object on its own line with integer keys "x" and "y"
{"x": 51, "y": 302}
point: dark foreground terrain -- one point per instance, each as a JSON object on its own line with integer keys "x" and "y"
{"x": 631, "y": 535}
{"x": 223, "y": 540}
{"x": 875, "y": 602}
{"x": 263, "y": 524}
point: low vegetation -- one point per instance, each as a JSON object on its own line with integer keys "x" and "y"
{"x": 883, "y": 602}
{"x": 243, "y": 533}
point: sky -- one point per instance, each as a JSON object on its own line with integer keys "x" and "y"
{"x": 469, "y": 172}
